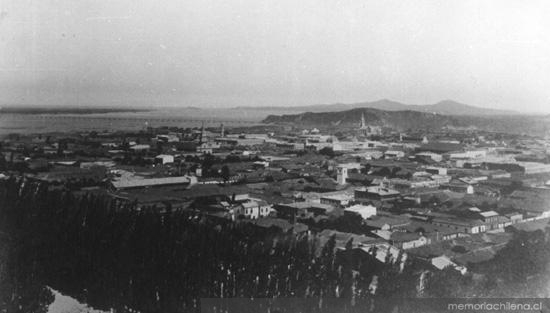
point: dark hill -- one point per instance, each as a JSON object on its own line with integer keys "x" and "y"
{"x": 414, "y": 120}
{"x": 447, "y": 107}
{"x": 351, "y": 118}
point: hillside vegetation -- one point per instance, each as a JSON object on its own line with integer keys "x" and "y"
{"x": 413, "y": 120}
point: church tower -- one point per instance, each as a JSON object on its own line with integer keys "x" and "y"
{"x": 202, "y": 133}
{"x": 341, "y": 175}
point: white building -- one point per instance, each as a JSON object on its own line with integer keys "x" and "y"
{"x": 365, "y": 211}
{"x": 253, "y": 209}
{"x": 138, "y": 182}
{"x": 394, "y": 154}
{"x": 164, "y": 158}
{"x": 534, "y": 167}
{"x": 342, "y": 175}
{"x": 437, "y": 170}
{"x": 341, "y": 199}
{"x": 137, "y": 148}
{"x": 430, "y": 155}
{"x": 442, "y": 262}
{"x": 468, "y": 154}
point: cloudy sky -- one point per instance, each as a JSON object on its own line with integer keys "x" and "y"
{"x": 491, "y": 53}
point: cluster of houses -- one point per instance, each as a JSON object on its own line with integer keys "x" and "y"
{"x": 423, "y": 194}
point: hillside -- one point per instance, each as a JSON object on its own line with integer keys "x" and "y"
{"x": 405, "y": 120}
{"x": 447, "y": 107}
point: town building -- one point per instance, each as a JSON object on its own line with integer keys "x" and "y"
{"x": 376, "y": 193}
{"x": 135, "y": 182}
{"x": 364, "y": 211}
{"x": 164, "y": 159}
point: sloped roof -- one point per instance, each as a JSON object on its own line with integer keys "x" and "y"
{"x": 404, "y": 237}
{"x": 145, "y": 182}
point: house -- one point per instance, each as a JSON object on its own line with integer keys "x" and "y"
{"x": 394, "y": 154}
{"x": 208, "y": 147}
{"x": 406, "y": 241}
{"x": 458, "y": 186}
{"x": 462, "y": 225}
{"x": 489, "y": 216}
{"x": 496, "y": 174}
{"x": 432, "y": 232}
{"x": 171, "y": 137}
{"x": 436, "y": 170}
{"x": 164, "y": 159}
{"x": 404, "y": 185}
{"x": 365, "y": 211}
{"x": 140, "y": 148}
{"x": 376, "y": 193}
{"x": 386, "y": 222}
{"x": 534, "y": 167}
{"x": 252, "y": 209}
{"x": 429, "y": 156}
{"x": 260, "y": 164}
{"x": 135, "y": 182}
{"x": 515, "y": 217}
{"x": 291, "y": 211}
{"x": 337, "y": 200}
{"x": 442, "y": 262}
{"x": 343, "y": 238}
{"x": 473, "y": 180}
{"x": 493, "y": 220}
{"x": 466, "y": 154}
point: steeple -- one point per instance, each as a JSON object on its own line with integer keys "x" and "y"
{"x": 222, "y": 133}
{"x": 363, "y": 125}
{"x": 202, "y": 133}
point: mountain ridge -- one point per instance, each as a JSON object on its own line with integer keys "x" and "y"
{"x": 447, "y": 107}
{"x": 414, "y": 120}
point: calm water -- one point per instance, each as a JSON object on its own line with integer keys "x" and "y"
{"x": 45, "y": 123}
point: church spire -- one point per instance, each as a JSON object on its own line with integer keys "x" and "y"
{"x": 202, "y": 133}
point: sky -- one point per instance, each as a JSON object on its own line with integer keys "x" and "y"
{"x": 491, "y": 53}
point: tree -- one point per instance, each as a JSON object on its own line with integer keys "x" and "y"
{"x": 366, "y": 169}
{"x": 459, "y": 249}
{"x": 3, "y": 165}
{"x": 225, "y": 173}
{"x": 327, "y": 151}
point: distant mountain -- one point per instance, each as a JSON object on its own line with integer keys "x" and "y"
{"x": 450, "y": 107}
{"x": 402, "y": 120}
{"x": 447, "y": 107}
{"x": 414, "y": 120}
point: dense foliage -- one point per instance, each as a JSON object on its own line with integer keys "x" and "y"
{"x": 108, "y": 254}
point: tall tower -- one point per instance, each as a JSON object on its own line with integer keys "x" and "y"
{"x": 222, "y": 133}
{"x": 202, "y": 133}
{"x": 363, "y": 125}
{"x": 342, "y": 175}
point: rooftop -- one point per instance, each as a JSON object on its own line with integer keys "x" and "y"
{"x": 488, "y": 213}
{"x": 145, "y": 182}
